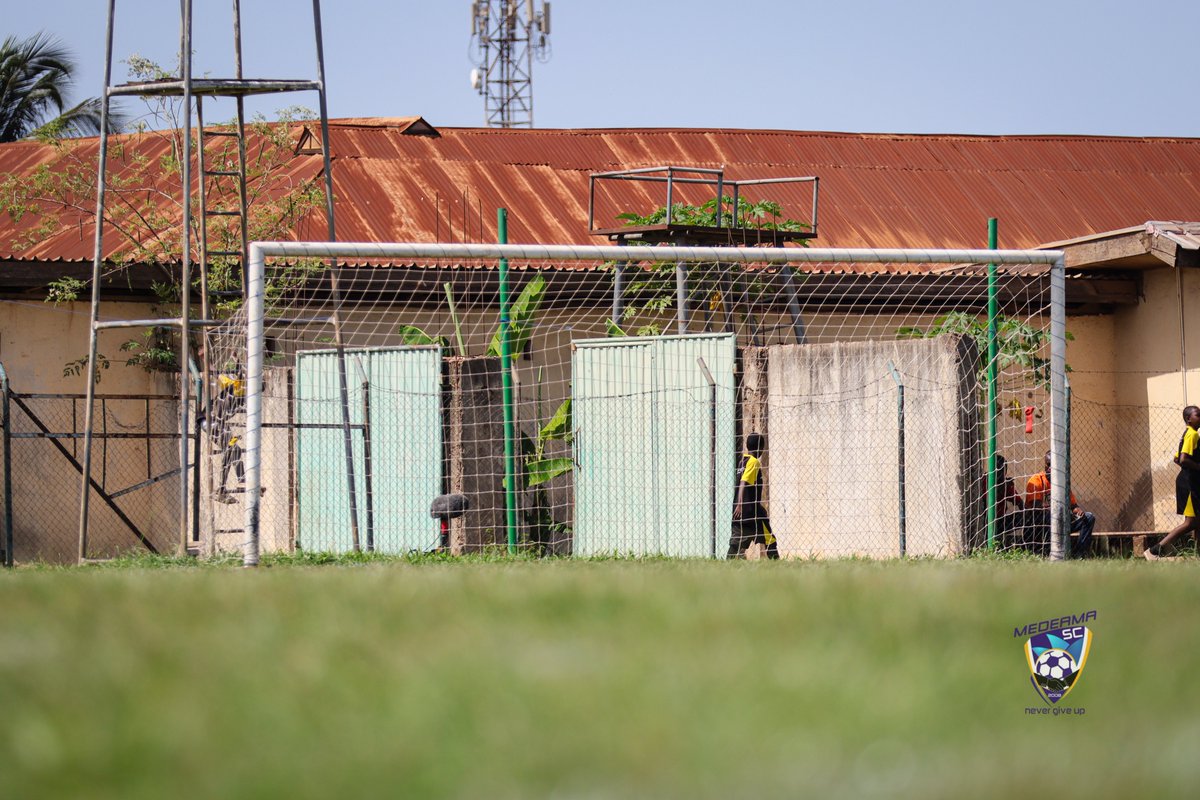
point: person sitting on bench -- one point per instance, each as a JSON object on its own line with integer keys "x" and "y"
{"x": 1037, "y": 500}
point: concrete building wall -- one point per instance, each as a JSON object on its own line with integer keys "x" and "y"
{"x": 1156, "y": 376}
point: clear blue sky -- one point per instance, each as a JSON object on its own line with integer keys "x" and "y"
{"x": 924, "y": 66}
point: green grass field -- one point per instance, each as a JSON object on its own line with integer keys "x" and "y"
{"x": 576, "y": 679}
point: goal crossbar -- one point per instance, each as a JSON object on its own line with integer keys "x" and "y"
{"x": 752, "y": 255}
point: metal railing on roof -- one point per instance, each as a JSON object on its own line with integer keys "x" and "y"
{"x": 673, "y": 176}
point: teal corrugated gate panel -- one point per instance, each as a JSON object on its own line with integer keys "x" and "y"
{"x": 324, "y": 509}
{"x": 404, "y": 390}
{"x": 684, "y": 443}
{"x": 642, "y": 409}
{"x": 612, "y": 411}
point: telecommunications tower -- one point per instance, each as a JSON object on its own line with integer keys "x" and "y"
{"x": 506, "y": 35}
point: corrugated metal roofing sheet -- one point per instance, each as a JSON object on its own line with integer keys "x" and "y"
{"x": 395, "y": 180}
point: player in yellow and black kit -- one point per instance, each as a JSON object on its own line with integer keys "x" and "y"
{"x": 1187, "y": 484}
{"x": 230, "y": 399}
{"x": 750, "y": 521}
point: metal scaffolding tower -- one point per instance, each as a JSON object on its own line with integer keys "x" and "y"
{"x": 226, "y": 186}
{"x": 506, "y": 45}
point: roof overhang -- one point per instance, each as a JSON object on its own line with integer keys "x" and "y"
{"x": 1152, "y": 245}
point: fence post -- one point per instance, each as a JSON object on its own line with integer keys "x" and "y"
{"x": 793, "y": 304}
{"x": 1067, "y": 458}
{"x": 365, "y": 387}
{"x": 681, "y": 297}
{"x": 712, "y": 452}
{"x": 901, "y": 459}
{"x": 197, "y": 433}
{"x": 6, "y": 419}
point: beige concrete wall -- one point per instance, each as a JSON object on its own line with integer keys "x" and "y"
{"x": 832, "y": 431}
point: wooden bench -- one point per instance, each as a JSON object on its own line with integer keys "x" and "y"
{"x": 1014, "y": 537}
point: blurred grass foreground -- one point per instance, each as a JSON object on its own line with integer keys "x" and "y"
{"x": 576, "y": 679}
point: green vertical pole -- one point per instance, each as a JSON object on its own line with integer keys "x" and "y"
{"x": 992, "y": 358}
{"x": 1067, "y": 458}
{"x": 510, "y": 471}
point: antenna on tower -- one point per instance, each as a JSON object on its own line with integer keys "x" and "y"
{"x": 505, "y": 42}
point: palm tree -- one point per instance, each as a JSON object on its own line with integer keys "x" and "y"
{"x": 35, "y": 74}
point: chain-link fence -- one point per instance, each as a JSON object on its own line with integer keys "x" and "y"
{"x": 1122, "y": 466}
{"x": 135, "y": 475}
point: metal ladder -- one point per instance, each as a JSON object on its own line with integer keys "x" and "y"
{"x": 214, "y": 185}
{"x": 188, "y": 88}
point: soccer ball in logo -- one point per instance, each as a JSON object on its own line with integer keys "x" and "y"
{"x": 1054, "y": 669}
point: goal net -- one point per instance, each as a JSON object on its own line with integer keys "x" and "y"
{"x": 598, "y": 400}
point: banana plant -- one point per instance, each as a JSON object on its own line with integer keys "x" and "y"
{"x": 538, "y": 468}
{"x": 521, "y": 315}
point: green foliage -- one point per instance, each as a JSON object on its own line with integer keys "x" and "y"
{"x": 539, "y": 471}
{"x": 73, "y": 369}
{"x": 765, "y": 215}
{"x": 710, "y": 288}
{"x": 539, "y": 468}
{"x": 521, "y": 314}
{"x": 143, "y": 560}
{"x": 414, "y": 336}
{"x": 64, "y": 290}
{"x": 157, "y": 351}
{"x": 1019, "y": 344}
{"x": 36, "y": 75}
{"x": 145, "y": 70}
{"x": 165, "y": 291}
{"x": 559, "y": 428}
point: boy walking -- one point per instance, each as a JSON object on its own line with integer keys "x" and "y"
{"x": 1187, "y": 483}
{"x": 750, "y": 521}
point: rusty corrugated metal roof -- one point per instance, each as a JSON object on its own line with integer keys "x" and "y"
{"x": 400, "y": 180}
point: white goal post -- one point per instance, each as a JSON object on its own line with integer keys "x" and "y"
{"x": 416, "y": 253}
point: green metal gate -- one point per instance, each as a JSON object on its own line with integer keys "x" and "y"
{"x": 401, "y": 395}
{"x": 644, "y": 416}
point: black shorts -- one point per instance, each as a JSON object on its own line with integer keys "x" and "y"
{"x": 1187, "y": 484}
